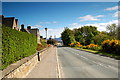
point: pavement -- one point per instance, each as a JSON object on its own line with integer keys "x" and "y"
{"x": 47, "y": 67}
{"x": 80, "y": 64}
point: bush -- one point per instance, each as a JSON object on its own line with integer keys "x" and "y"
{"x": 16, "y": 45}
{"x": 77, "y": 44}
{"x": 40, "y": 47}
{"x": 111, "y": 46}
{"x": 92, "y": 47}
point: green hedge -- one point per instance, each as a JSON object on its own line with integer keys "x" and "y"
{"x": 16, "y": 45}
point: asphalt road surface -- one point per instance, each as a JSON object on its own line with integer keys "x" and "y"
{"x": 80, "y": 64}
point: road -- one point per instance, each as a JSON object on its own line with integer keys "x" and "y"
{"x": 80, "y": 64}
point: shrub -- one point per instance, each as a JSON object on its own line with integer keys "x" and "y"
{"x": 93, "y": 47}
{"x": 40, "y": 47}
{"x": 72, "y": 44}
{"x": 16, "y": 45}
{"x": 77, "y": 44}
{"x": 111, "y": 46}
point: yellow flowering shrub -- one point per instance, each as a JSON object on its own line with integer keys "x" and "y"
{"x": 92, "y": 46}
{"x": 72, "y": 44}
{"x": 112, "y": 46}
{"x": 77, "y": 44}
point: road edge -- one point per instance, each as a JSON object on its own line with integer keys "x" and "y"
{"x": 58, "y": 66}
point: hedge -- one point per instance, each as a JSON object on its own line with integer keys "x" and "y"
{"x": 16, "y": 45}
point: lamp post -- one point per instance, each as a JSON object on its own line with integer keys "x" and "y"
{"x": 51, "y": 39}
{"x": 46, "y": 33}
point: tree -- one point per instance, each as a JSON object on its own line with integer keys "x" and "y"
{"x": 85, "y": 34}
{"x": 67, "y": 36}
{"x": 112, "y": 30}
{"x": 118, "y": 33}
{"x": 99, "y": 38}
{"x": 77, "y": 34}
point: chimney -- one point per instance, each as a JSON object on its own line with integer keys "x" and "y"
{"x": 28, "y": 27}
{"x": 22, "y": 26}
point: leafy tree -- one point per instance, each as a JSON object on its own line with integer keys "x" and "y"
{"x": 78, "y": 35}
{"x": 67, "y": 36}
{"x": 99, "y": 38}
{"x": 85, "y": 34}
{"x": 112, "y": 30}
{"x": 118, "y": 33}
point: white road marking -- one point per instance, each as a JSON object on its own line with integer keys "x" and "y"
{"x": 98, "y": 63}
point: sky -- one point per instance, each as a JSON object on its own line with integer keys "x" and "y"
{"x": 60, "y": 0}
{"x": 57, "y": 15}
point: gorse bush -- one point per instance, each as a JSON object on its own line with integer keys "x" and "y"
{"x": 16, "y": 45}
{"x": 111, "y": 46}
{"x": 90, "y": 46}
{"x": 93, "y": 47}
{"x": 77, "y": 44}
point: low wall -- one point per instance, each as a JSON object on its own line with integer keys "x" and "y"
{"x": 22, "y": 67}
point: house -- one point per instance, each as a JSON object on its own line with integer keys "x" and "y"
{"x": 14, "y": 24}
{"x": 10, "y": 22}
{"x": 34, "y": 31}
{"x": 24, "y": 29}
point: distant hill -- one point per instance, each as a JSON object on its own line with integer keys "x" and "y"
{"x": 58, "y": 39}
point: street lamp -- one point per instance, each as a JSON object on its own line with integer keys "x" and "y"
{"x": 46, "y": 33}
{"x": 51, "y": 39}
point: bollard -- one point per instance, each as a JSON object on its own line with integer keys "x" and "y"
{"x": 38, "y": 56}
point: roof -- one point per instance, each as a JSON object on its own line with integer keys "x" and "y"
{"x": 34, "y": 29}
{"x": 25, "y": 30}
{"x": 8, "y": 21}
{"x": 16, "y": 20}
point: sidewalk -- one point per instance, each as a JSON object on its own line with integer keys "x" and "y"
{"x": 47, "y": 67}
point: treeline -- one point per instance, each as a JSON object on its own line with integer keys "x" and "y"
{"x": 16, "y": 45}
{"x": 90, "y": 37}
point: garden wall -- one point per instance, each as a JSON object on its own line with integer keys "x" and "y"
{"x": 22, "y": 67}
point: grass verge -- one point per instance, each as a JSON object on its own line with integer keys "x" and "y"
{"x": 115, "y": 56}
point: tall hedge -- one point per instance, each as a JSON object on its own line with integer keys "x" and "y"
{"x": 16, "y": 45}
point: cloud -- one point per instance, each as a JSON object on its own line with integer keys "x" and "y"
{"x": 90, "y": 18}
{"x": 116, "y": 14}
{"x": 52, "y": 32}
{"x": 100, "y": 16}
{"x": 100, "y": 26}
{"x": 52, "y": 22}
{"x": 112, "y": 8}
{"x": 57, "y": 31}
{"x": 75, "y": 25}
{"x": 37, "y": 26}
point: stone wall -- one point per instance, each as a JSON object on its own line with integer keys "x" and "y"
{"x": 22, "y": 67}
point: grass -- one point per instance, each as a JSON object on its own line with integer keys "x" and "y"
{"x": 101, "y": 53}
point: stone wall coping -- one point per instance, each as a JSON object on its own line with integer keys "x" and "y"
{"x": 17, "y": 64}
